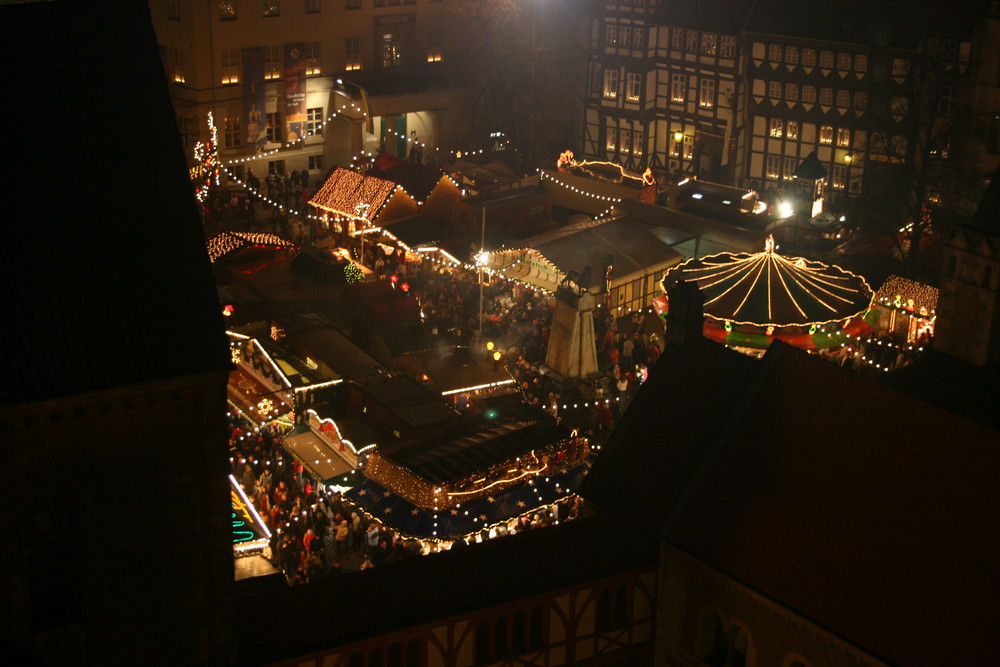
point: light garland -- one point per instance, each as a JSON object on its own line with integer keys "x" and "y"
{"x": 566, "y": 159}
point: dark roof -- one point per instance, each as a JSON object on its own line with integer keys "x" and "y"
{"x": 663, "y": 436}
{"x": 105, "y": 275}
{"x": 986, "y": 219}
{"x": 811, "y": 168}
{"x": 418, "y": 230}
{"x": 422, "y": 590}
{"x": 858, "y": 507}
{"x": 455, "y": 459}
{"x": 406, "y": 399}
{"x": 723, "y": 16}
{"x": 419, "y": 180}
{"x": 631, "y": 243}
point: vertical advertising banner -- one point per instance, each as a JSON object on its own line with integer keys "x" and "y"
{"x": 253, "y": 96}
{"x": 295, "y": 91}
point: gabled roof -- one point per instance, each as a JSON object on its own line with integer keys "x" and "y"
{"x": 419, "y": 180}
{"x": 346, "y": 192}
{"x": 811, "y": 168}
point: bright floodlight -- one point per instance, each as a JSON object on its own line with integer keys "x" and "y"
{"x": 785, "y": 210}
{"x": 481, "y": 257}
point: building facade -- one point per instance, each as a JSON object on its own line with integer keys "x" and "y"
{"x": 742, "y": 92}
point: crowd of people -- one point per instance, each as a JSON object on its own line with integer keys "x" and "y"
{"x": 317, "y": 533}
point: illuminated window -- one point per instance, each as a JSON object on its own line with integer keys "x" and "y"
{"x": 808, "y": 94}
{"x": 861, "y": 63}
{"x": 678, "y": 87}
{"x": 227, "y": 10}
{"x": 774, "y": 53}
{"x": 272, "y": 62}
{"x": 788, "y": 168}
{"x": 174, "y": 10}
{"x": 315, "y": 162}
{"x": 692, "y": 41}
{"x": 706, "y": 94}
{"x": 612, "y": 138}
{"x": 274, "y": 127}
{"x": 678, "y": 39}
{"x": 312, "y": 53}
{"x": 688, "y": 147}
{"x": 791, "y": 55}
{"x": 625, "y": 36}
{"x": 392, "y": 55}
{"x": 611, "y": 35}
{"x": 839, "y": 176}
{"x": 634, "y": 87}
{"x": 353, "y": 62}
{"x": 773, "y": 167}
{"x": 727, "y": 47}
{"x": 826, "y": 134}
{"x": 272, "y": 8}
{"x": 860, "y": 101}
{"x": 434, "y": 49}
{"x": 611, "y": 83}
{"x": 792, "y": 92}
{"x": 809, "y": 57}
{"x": 315, "y": 6}
{"x": 625, "y": 141}
{"x": 709, "y": 44}
{"x": 826, "y": 96}
{"x": 900, "y": 67}
{"x": 774, "y": 90}
{"x": 844, "y": 62}
{"x": 777, "y": 128}
{"x": 230, "y": 67}
{"x": 843, "y": 137}
{"x": 675, "y": 146}
{"x": 231, "y": 131}
{"x": 639, "y": 40}
{"x": 792, "y": 129}
{"x": 826, "y": 59}
{"x": 637, "y": 139}
{"x": 177, "y": 65}
{"x": 843, "y": 98}
{"x": 314, "y": 122}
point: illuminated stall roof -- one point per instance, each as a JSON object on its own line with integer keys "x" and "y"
{"x": 354, "y": 195}
{"x": 227, "y": 243}
{"x": 766, "y": 289}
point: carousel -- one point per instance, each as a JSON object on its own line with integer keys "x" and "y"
{"x": 751, "y": 299}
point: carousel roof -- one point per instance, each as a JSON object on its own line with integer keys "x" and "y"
{"x": 766, "y": 289}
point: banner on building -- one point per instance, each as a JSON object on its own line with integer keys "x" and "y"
{"x": 295, "y": 91}
{"x": 253, "y": 97}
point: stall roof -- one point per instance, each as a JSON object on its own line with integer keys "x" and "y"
{"x": 417, "y": 230}
{"x": 458, "y": 458}
{"x": 632, "y": 244}
{"x": 407, "y": 399}
{"x": 318, "y": 456}
{"x": 345, "y": 189}
{"x": 419, "y": 180}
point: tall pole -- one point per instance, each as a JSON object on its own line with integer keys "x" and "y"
{"x": 479, "y": 262}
